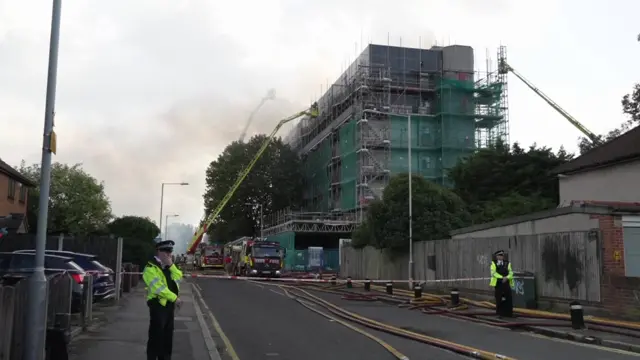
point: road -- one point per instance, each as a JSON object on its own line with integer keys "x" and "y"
{"x": 261, "y": 322}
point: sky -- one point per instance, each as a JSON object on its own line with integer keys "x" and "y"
{"x": 151, "y": 91}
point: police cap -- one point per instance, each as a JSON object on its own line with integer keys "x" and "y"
{"x": 499, "y": 252}
{"x": 165, "y": 245}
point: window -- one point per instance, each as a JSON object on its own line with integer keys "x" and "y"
{"x": 631, "y": 240}
{"x": 12, "y": 189}
{"x": 23, "y": 193}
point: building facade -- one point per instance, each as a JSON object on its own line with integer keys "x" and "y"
{"x": 363, "y": 134}
{"x": 14, "y": 194}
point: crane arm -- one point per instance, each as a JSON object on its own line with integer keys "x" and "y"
{"x": 197, "y": 237}
{"x": 505, "y": 68}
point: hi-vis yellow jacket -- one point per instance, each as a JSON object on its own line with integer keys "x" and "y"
{"x": 156, "y": 282}
{"x": 495, "y": 276}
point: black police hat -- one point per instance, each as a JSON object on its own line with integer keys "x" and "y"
{"x": 165, "y": 245}
{"x": 499, "y": 252}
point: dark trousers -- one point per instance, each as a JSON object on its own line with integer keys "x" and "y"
{"x": 160, "y": 343}
{"x": 504, "y": 300}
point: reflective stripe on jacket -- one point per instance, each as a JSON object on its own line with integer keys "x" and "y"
{"x": 156, "y": 282}
{"x": 495, "y": 276}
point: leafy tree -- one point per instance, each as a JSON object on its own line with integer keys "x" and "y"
{"x": 503, "y": 181}
{"x": 77, "y": 202}
{"x": 138, "y": 234}
{"x": 631, "y": 107}
{"x": 274, "y": 183}
{"x": 509, "y": 205}
{"x": 436, "y": 211}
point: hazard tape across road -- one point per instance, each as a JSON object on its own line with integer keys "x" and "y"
{"x": 302, "y": 280}
{"x": 286, "y": 279}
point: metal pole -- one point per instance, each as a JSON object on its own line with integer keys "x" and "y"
{"x": 261, "y": 224}
{"x": 161, "y": 201}
{"x": 410, "y": 205}
{"x": 166, "y": 222}
{"x": 118, "y": 282}
{"x": 36, "y": 313}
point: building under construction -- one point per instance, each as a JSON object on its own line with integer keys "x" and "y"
{"x": 362, "y": 136}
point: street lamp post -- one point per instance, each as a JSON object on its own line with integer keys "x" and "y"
{"x": 409, "y": 144}
{"x": 166, "y": 224}
{"x": 261, "y": 218}
{"x": 162, "y": 198}
{"x": 410, "y": 202}
{"x": 36, "y": 322}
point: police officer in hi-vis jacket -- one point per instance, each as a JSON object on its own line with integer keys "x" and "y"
{"x": 162, "y": 278}
{"x": 503, "y": 284}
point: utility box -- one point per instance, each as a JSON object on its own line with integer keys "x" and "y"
{"x": 524, "y": 292}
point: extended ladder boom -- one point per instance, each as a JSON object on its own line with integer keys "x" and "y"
{"x": 197, "y": 237}
{"x": 505, "y": 68}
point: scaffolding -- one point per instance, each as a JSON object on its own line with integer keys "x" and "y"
{"x": 493, "y": 106}
{"x": 361, "y": 137}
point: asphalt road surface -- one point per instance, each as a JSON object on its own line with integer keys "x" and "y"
{"x": 261, "y": 322}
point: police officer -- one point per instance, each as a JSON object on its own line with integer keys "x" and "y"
{"x": 162, "y": 278}
{"x": 502, "y": 282}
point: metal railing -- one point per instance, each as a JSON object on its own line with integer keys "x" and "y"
{"x": 60, "y": 298}
{"x": 283, "y": 216}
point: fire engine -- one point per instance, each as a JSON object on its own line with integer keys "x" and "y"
{"x": 209, "y": 256}
{"x": 255, "y": 257}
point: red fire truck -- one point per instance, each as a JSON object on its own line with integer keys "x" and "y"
{"x": 209, "y": 257}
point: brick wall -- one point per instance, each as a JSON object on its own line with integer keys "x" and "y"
{"x": 7, "y": 205}
{"x": 620, "y": 294}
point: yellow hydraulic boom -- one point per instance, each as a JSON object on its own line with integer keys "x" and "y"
{"x": 195, "y": 240}
{"x": 504, "y": 68}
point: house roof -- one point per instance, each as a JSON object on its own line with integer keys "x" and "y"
{"x": 623, "y": 148}
{"x": 14, "y": 174}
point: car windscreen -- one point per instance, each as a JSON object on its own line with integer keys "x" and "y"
{"x": 260, "y": 251}
{"x": 88, "y": 263}
{"x": 98, "y": 265}
{"x": 20, "y": 262}
{"x": 5, "y": 260}
{"x": 73, "y": 267}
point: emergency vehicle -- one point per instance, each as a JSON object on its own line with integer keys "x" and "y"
{"x": 255, "y": 257}
{"x": 209, "y": 256}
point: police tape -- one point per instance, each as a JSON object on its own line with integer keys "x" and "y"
{"x": 321, "y": 280}
{"x": 315, "y": 278}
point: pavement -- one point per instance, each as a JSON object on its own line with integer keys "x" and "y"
{"x": 124, "y": 335}
{"x": 259, "y": 322}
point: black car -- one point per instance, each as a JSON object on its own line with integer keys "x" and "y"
{"x": 103, "y": 277}
{"x": 20, "y": 264}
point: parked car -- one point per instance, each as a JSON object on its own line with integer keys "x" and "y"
{"x": 103, "y": 277}
{"x": 21, "y": 264}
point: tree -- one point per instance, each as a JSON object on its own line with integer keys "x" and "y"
{"x": 436, "y": 211}
{"x": 138, "y": 235}
{"x": 631, "y": 107}
{"x": 503, "y": 181}
{"x": 508, "y": 206}
{"x": 275, "y": 183}
{"x": 77, "y": 202}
